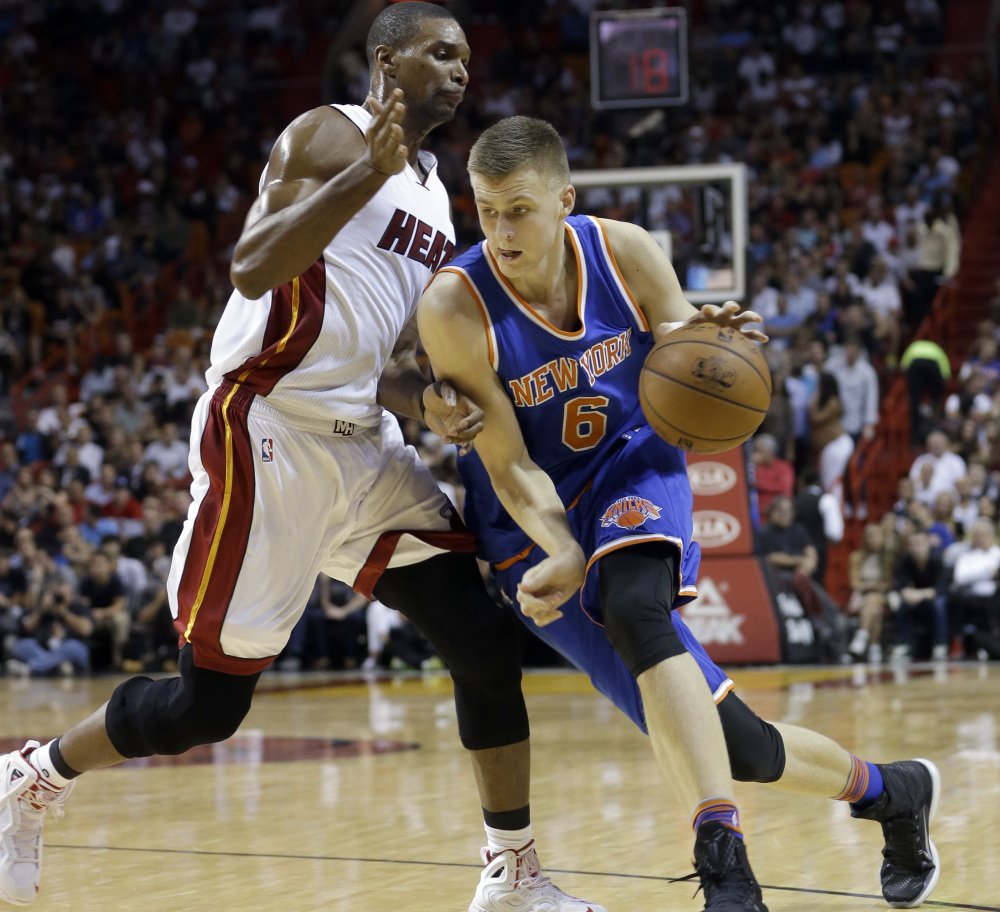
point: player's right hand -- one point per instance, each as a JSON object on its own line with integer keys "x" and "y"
{"x": 387, "y": 153}
{"x": 453, "y": 417}
{"x": 549, "y": 585}
{"x": 730, "y": 314}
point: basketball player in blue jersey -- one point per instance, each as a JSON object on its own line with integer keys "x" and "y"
{"x": 298, "y": 469}
{"x": 545, "y": 325}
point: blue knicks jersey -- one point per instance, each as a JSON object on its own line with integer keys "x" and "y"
{"x": 574, "y": 392}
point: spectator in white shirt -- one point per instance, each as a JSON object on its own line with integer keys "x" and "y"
{"x": 875, "y": 229}
{"x": 940, "y": 171}
{"x": 169, "y": 452}
{"x": 973, "y": 401}
{"x": 842, "y": 274}
{"x": 907, "y": 258}
{"x": 801, "y": 298}
{"x": 801, "y": 35}
{"x": 912, "y": 208}
{"x": 881, "y": 293}
{"x": 98, "y": 380}
{"x": 948, "y": 467}
{"x": 888, "y": 32}
{"x": 966, "y": 510}
{"x": 131, "y": 571}
{"x": 757, "y": 70}
{"x": 89, "y": 454}
{"x": 130, "y": 412}
{"x": 858, "y": 385}
{"x": 973, "y": 604}
{"x": 764, "y": 298}
{"x": 183, "y": 385}
{"x": 59, "y": 416}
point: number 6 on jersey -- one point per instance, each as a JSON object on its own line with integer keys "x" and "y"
{"x": 583, "y": 422}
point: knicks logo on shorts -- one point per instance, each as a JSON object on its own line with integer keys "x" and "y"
{"x": 267, "y": 449}
{"x": 630, "y": 513}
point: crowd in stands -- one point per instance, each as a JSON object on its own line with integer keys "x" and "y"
{"x": 126, "y": 168}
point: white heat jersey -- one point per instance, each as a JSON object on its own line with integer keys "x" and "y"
{"x": 317, "y": 346}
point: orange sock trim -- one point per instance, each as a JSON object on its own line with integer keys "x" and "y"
{"x": 720, "y": 810}
{"x": 857, "y": 782}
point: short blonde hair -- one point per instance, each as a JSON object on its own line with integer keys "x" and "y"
{"x": 517, "y": 142}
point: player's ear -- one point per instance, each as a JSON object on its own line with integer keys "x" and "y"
{"x": 568, "y": 199}
{"x": 385, "y": 60}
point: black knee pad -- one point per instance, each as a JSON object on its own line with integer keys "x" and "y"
{"x": 756, "y": 748}
{"x": 638, "y": 586}
{"x": 172, "y": 715}
{"x": 479, "y": 641}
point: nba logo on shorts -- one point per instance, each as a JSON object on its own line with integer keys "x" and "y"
{"x": 266, "y": 449}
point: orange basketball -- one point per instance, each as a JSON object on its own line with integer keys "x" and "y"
{"x": 705, "y": 388}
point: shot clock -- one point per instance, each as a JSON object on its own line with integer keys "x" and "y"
{"x": 638, "y": 58}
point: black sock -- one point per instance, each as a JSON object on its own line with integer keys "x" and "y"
{"x": 508, "y": 820}
{"x": 62, "y": 767}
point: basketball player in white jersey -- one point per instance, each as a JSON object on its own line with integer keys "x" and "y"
{"x": 297, "y": 469}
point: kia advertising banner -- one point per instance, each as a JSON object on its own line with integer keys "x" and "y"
{"x": 734, "y": 615}
{"x": 721, "y": 503}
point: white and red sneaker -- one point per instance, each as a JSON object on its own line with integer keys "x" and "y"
{"x": 24, "y": 799}
{"x": 512, "y": 881}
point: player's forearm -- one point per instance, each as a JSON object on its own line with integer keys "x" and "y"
{"x": 276, "y": 247}
{"x": 401, "y": 387}
{"x": 531, "y": 499}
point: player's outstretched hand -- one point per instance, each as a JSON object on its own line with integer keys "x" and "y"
{"x": 729, "y": 314}
{"x": 387, "y": 153}
{"x": 550, "y": 584}
{"x": 452, "y": 416}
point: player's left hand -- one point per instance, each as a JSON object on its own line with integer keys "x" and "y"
{"x": 729, "y": 314}
{"x": 453, "y": 417}
{"x": 549, "y": 585}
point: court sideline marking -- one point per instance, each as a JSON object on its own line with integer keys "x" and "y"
{"x": 455, "y": 864}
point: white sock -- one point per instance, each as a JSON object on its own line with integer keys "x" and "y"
{"x": 41, "y": 760}
{"x": 498, "y": 841}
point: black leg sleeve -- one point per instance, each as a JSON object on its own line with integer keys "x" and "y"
{"x": 446, "y": 600}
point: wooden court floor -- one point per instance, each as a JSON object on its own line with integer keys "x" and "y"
{"x": 356, "y": 797}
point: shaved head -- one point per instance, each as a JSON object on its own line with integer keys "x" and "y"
{"x": 397, "y": 25}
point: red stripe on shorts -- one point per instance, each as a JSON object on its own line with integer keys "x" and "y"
{"x": 460, "y": 541}
{"x": 293, "y": 326}
{"x": 221, "y": 531}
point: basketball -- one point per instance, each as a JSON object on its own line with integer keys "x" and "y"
{"x": 705, "y": 388}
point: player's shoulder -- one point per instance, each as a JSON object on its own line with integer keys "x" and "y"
{"x": 322, "y": 139}
{"x": 448, "y": 294}
{"x": 625, "y": 237}
{"x": 631, "y": 245}
{"x": 450, "y": 321}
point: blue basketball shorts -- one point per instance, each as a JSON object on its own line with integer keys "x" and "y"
{"x": 639, "y": 494}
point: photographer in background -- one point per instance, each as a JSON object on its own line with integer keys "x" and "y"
{"x": 53, "y": 635}
{"x": 102, "y": 591}
{"x": 13, "y": 585}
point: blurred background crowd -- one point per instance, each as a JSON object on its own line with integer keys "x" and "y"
{"x": 132, "y": 137}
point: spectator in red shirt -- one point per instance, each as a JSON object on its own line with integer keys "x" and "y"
{"x": 125, "y": 510}
{"x": 773, "y": 476}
